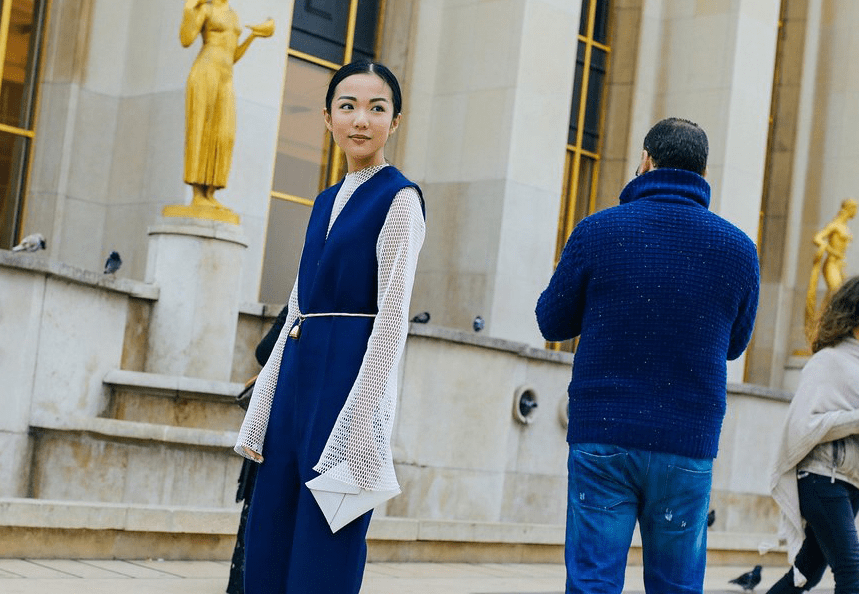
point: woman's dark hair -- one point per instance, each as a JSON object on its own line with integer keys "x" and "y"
{"x": 363, "y": 67}
{"x": 840, "y": 316}
{"x": 677, "y": 144}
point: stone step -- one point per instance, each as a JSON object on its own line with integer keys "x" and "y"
{"x": 31, "y": 528}
{"x": 173, "y": 400}
{"x": 116, "y": 461}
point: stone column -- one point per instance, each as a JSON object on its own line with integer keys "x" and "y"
{"x": 712, "y": 63}
{"x": 486, "y": 139}
{"x": 197, "y": 265}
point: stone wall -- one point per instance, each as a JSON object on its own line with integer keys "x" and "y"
{"x": 63, "y": 330}
{"x": 84, "y": 425}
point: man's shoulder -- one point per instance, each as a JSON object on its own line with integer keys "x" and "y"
{"x": 733, "y": 232}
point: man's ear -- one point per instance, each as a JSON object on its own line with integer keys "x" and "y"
{"x": 649, "y": 162}
{"x": 646, "y": 164}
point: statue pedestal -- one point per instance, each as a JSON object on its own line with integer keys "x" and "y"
{"x": 197, "y": 265}
{"x": 196, "y": 211}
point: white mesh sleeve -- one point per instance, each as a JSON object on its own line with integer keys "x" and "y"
{"x": 252, "y": 433}
{"x": 362, "y": 434}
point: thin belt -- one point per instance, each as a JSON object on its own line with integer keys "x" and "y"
{"x": 295, "y": 332}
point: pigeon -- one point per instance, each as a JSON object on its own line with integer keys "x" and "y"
{"x": 478, "y": 324}
{"x": 748, "y": 580}
{"x": 711, "y": 517}
{"x": 421, "y": 318}
{"x": 113, "y": 263}
{"x": 31, "y": 243}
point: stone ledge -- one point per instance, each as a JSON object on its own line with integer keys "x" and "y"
{"x": 136, "y": 431}
{"x": 260, "y": 310}
{"x": 48, "y": 528}
{"x": 43, "y": 265}
{"x": 735, "y": 389}
{"x": 171, "y": 385}
{"x": 44, "y": 513}
{"x": 489, "y": 342}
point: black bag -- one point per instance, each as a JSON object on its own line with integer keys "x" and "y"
{"x": 244, "y": 397}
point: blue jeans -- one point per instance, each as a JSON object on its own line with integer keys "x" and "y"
{"x": 610, "y": 487}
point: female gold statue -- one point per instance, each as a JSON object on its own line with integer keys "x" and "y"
{"x": 831, "y": 242}
{"x": 210, "y": 103}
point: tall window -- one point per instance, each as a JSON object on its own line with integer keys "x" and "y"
{"x": 325, "y": 35}
{"x": 586, "y": 114}
{"x": 20, "y": 40}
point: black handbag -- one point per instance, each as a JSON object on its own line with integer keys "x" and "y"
{"x": 244, "y": 397}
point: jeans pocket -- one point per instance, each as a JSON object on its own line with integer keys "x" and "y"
{"x": 600, "y": 480}
{"x": 686, "y": 496}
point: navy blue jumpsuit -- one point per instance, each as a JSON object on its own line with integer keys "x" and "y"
{"x": 289, "y": 547}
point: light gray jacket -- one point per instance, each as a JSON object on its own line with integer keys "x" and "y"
{"x": 824, "y": 409}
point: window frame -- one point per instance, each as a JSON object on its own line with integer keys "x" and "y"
{"x": 575, "y": 154}
{"x": 41, "y": 13}
{"x": 335, "y": 160}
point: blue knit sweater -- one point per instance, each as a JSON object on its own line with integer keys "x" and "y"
{"x": 662, "y": 292}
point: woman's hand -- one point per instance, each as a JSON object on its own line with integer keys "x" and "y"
{"x": 255, "y": 456}
{"x": 265, "y": 29}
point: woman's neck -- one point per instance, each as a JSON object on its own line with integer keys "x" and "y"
{"x": 356, "y": 167}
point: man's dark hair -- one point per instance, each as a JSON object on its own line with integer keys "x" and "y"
{"x": 676, "y": 143}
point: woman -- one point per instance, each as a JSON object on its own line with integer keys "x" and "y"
{"x": 817, "y": 474}
{"x": 210, "y": 103}
{"x": 330, "y": 383}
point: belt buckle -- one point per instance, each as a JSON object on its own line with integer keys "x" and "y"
{"x": 295, "y": 332}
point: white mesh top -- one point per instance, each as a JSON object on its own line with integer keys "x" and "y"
{"x": 362, "y": 434}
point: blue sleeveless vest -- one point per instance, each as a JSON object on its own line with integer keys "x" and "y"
{"x": 339, "y": 274}
{"x": 336, "y": 275}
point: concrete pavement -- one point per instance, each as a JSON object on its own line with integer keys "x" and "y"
{"x": 63, "y": 576}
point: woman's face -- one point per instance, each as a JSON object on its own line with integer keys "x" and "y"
{"x": 361, "y": 119}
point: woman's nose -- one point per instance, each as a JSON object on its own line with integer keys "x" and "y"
{"x": 360, "y": 119}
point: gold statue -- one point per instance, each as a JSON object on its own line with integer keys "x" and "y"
{"x": 831, "y": 242}
{"x": 210, "y": 103}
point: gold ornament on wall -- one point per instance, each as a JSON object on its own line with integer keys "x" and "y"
{"x": 210, "y": 103}
{"x": 829, "y": 260}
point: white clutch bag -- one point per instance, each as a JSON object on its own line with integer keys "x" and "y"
{"x": 341, "y": 502}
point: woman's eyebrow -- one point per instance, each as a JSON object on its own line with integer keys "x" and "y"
{"x": 351, "y": 98}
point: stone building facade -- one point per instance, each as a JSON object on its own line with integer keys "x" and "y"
{"x": 520, "y": 117}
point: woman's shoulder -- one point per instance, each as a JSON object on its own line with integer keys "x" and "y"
{"x": 400, "y": 178}
{"x": 835, "y": 358}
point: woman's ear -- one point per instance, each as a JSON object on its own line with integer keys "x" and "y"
{"x": 395, "y": 123}
{"x": 327, "y": 117}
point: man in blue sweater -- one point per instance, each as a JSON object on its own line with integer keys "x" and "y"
{"x": 662, "y": 293}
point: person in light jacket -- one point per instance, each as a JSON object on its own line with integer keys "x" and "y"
{"x": 816, "y": 480}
